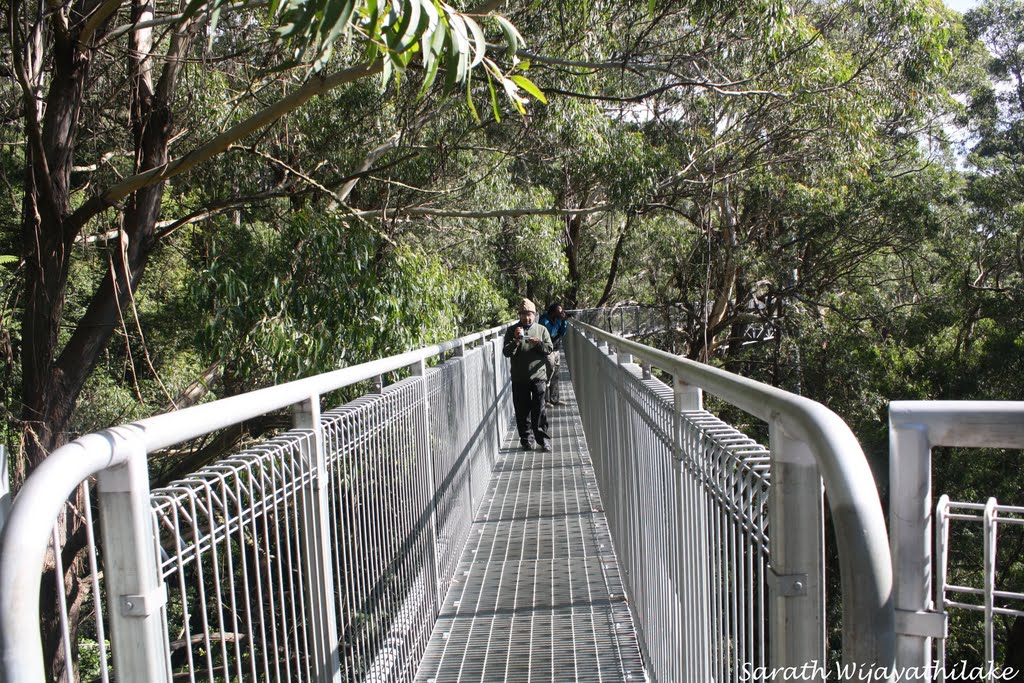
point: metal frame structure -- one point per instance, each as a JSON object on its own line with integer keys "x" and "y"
{"x": 920, "y": 547}
{"x": 364, "y": 502}
{"x": 990, "y": 516}
{"x": 664, "y": 529}
{"x": 325, "y": 553}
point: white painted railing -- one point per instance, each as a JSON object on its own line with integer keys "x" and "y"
{"x": 243, "y": 561}
{"x": 923, "y": 606}
{"x": 693, "y": 504}
{"x": 233, "y": 572}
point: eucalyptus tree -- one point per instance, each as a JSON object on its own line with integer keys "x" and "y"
{"x": 995, "y": 193}
{"x": 726, "y": 124}
{"x": 113, "y": 111}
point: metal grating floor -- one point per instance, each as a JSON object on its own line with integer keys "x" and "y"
{"x": 537, "y": 595}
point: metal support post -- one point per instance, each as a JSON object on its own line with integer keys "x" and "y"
{"x": 645, "y": 369}
{"x": 910, "y": 538}
{"x": 690, "y": 560}
{"x": 316, "y": 541}
{"x": 138, "y": 616}
{"x": 796, "y": 542}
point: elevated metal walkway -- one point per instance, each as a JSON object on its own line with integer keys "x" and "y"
{"x": 402, "y": 536}
{"x": 537, "y": 594}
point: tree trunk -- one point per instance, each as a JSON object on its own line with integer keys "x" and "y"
{"x": 53, "y": 377}
{"x": 573, "y": 230}
{"x": 706, "y": 343}
{"x": 613, "y": 269}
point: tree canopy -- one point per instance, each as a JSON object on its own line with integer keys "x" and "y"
{"x": 208, "y": 196}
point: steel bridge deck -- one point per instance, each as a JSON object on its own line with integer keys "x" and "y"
{"x": 537, "y": 595}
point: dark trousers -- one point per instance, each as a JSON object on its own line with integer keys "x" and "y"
{"x": 528, "y": 401}
{"x": 555, "y": 359}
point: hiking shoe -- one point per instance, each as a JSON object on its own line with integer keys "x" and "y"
{"x": 544, "y": 448}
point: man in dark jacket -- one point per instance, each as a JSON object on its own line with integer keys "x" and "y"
{"x": 527, "y": 346}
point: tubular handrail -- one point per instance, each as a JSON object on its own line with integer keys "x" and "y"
{"x": 967, "y": 424}
{"x": 865, "y": 564}
{"x": 25, "y": 536}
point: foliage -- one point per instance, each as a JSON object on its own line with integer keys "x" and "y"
{"x": 396, "y": 31}
{"x": 326, "y": 293}
{"x": 788, "y": 165}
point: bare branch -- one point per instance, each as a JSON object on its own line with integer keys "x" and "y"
{"x": 316, "y": 85}
{"x": 96, "y": 19}
{"x": 497, "y": 213}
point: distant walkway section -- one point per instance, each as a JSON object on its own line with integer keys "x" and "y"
{"x": 537, "y": 595}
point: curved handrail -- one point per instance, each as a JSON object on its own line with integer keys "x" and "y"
{"x": 865, "y": 563}
{"x": 25, "y": 535}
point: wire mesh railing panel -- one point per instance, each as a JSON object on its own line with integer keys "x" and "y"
{"x": 686, "y": 498}
{"x": 977, "y": 585}
{"x": 382, "y": 537}
{"x": 231, "y": 541}
{"x": 730, "y": 471}
{"x": 75, "y": 624}
{"x": 464, "y": 434}
{"x": 319, "y": 554}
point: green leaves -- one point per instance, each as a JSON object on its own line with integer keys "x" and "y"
{"x": 513, "y": 40}
{"x": 397, "y": 32}
{"x": 528, "y": 85}
{"x": 325, "y": 294}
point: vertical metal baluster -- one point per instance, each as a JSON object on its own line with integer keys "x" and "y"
{"x": 941, "y": 567}
{"x": 990, "y": 526}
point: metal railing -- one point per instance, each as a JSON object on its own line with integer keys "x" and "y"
{"x": 989, "y": 599}
{"x": 923, "y": 607}
{"x": 722, "y": 540}
{"x": 321, "y": 554}
{"x": 641, "y": 322}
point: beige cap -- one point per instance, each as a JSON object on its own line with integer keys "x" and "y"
{"x": 527, "y": 305}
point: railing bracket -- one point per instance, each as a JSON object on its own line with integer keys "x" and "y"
{"x": 923, "y": 623}
{"x": 789, "y": 585}
{"x": 143, "y": 605}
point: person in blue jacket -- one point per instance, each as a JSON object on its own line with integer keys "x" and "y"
{"x": 557, "y": 326}
{"x": 527, "y": 345}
